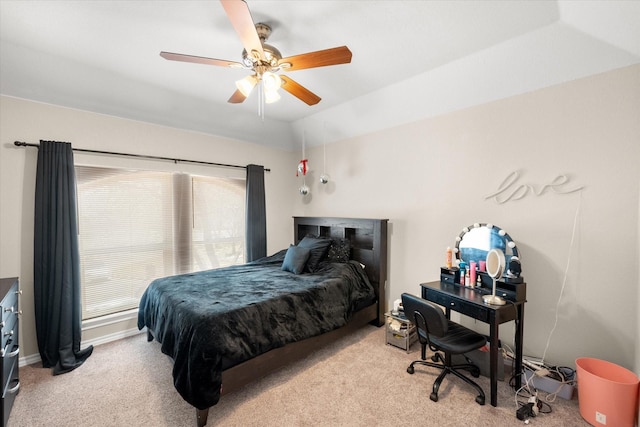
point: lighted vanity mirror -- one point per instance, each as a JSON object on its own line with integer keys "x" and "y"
{"x": 475, "y": 242}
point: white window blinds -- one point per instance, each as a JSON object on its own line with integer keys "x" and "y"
{"x": 135, "y": 226}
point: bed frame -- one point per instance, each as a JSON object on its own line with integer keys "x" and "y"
{"x": 368, "y": 239}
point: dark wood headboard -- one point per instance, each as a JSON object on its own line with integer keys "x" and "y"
{"x": 368, "y": 239}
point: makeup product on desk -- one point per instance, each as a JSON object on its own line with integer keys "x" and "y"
{"x": 472, "y": 274}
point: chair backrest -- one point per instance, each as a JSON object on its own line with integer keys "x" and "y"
{"x": 425, "y": 315}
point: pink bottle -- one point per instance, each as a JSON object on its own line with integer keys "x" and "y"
{"x": 472, "y": 273}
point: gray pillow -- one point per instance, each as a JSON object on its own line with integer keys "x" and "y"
{"x": 295, "y": 259}
{"x": 318, "y": 247}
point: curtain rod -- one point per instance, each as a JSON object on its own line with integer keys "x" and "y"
{"x": 141, "y": 156}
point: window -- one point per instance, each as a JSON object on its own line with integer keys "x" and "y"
{"x": 136, "y": 226}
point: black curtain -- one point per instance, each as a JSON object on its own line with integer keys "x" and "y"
{"x": 56, "y": 267}
{"x": 256, "y": 227}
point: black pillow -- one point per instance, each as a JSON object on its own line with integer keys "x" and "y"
{"x": 318, "y": 247}
{"x": 295, "y": 259}
{"x": 339, "y": 251}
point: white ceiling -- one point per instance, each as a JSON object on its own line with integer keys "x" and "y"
{"x": 411, "y": 59}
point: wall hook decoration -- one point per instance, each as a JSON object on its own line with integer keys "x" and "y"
{"x": 324, "y": 178}
{"x": 303, "y": 168}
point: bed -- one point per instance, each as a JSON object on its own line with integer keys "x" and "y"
{"x": 224, "y": 328}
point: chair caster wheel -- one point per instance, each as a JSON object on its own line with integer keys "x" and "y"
{"x": 480, "y": 400}
{"x": 434, "y": 397}
{"x": 475, "y": 373}
{"x": 435, "y": 358}
{"x": 410, "y": 370}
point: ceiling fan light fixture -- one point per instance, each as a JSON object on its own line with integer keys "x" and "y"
{"x": 246, "y": 85}
{"x": 271, "y": 96}
{"x": 271, "y": 83}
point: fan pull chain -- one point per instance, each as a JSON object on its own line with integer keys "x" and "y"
{"x": 261, "y": 100}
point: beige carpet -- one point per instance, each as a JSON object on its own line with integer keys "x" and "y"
{"x": 359, "y": 381}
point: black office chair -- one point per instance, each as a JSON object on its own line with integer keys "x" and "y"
{"x": 440, "y": 334}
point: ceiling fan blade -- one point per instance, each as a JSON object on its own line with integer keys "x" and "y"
{"x": 240, "y": 17}
{"x": 299, "y": 91}
{"x": 320, "y": 58}
{"x": 237, "y": 97}
{"x": 199, "y": 59}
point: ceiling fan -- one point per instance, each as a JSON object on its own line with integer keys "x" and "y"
{"x": 265, "y": 60}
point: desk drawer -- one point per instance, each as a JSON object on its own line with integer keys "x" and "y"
{"x": 459, "y": 305}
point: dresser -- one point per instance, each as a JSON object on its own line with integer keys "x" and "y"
{"x": 9, "y": 294}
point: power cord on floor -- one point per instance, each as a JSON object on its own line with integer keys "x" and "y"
{"x": 529, "y": 403}
{"x": 538, "y": 368}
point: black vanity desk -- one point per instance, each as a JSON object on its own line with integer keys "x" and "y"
{"x": 468, "y": 301}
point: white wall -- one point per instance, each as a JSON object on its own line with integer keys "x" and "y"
{"x": 30, "y": 122}
{"x": 430, "y": 178}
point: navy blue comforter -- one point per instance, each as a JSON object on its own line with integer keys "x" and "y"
{"x": 212, "y": 320}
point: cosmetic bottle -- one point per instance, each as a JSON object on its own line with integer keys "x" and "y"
{"x": 472, "y": 274}
{"x": 463, "y": 271}
{"x": 449, "y": 257}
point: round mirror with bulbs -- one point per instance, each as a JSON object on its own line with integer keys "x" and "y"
{"x": 476, "y": 241}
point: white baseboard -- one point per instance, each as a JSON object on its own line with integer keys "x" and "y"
{"x": 112, "y": 337}
{"x": 29, "y": 360}
{"x": 35, "y": 358}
